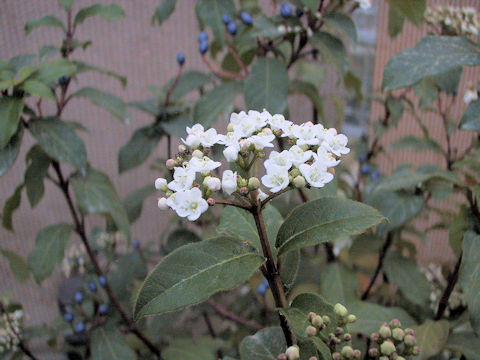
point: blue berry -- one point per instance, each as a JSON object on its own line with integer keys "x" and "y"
{"x": 203, "y": 47}
{"x": 136, "y": 244}
{"x": 285, "y": 11}
{"x": 103, "y": 309}
{"x": 203, "y": 36}
{"x": 246, "y": 18}
{"x": 63, "y": 80}
{"x": 181, "y": 58}
{"x": 375, "y": 176}
{"x": 226, "y": 19}
{"x": 232, "y": 28}
{"x": 362, "y": 158}
{"x": 102, "y": 280}
{"x": 78, "y": 297}
{"x": 68, "y": 317}
{"x": 265, "y": 283}
{"x": 261, "y": 289}
{"x": 299, "y": 12}
{"x": 92, "y": 286}
{"x": 79, "y": 327}
{"x": 365, "y": 169}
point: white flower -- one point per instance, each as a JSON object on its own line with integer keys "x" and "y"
{"x": 188, "y": 203}
{"x": 209, "y": 138}
{"x": 306, "y": 134}
{"x": 261, "y": 195}
{"x": 279, "y": 159}
{"x": 238, "y": 118}
{"x": 162, "y": 203}
{"x": 231, "y": 139}
{"x": 334, "y": 143}
{"x": 203, "y": 165}
{"x": 229, "y": 181}
{"x": 182, "y": 179}
{"x": 365, "y": 4}
{"x": 245, "y": 127}
{"x": 278, "y": 122}
{"x": 298, "y": 156}
{"x": 470, "y": 96}
{"x": 276, "y": 178}
{"x": 161, "y": 184}
{"x": 262, "y": 140}
{"x": 197, "y": 135}
{"x": 325, "y": 157}
{"x": 231, "y": 153}
{"x": 316, "y": 174}
{"x": 192, "y": 141}
{"x": 259, "y": 119}
{"x": 213, "y": 183}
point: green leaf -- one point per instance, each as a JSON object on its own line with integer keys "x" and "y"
{"x": 95, "y": 194}
{"x": 181, "y": 237}
{"x": 48, "y": 20}
{"x": 37, "y": 168}
{"x": 163, "y": 11}
{"x": 193, "y": 273}
{"x": 49, "y": 250}
{"x": 59, "y": 140}
{"x": 176, "y": 125}
{"x": 10, "y": 112}
{"x": 109, "y": 343}
{"x": 18, "y": 265}
{"x": 215, "y": 102}
{"x": 395, "y": 22}
{"x": 9, "y": 153}
{"x": 412, "y": 10}
{"x": 188, "y": 81}
{"x": 12, "y": 204}
{"x": 267, "y": 86}
{"x": 210, "y": 13}
{"x": 139, "y": 147}
{"x": 342, "y": 23}
{"x": 266, "y": 344}
{"x": 111, "y": 12}
{"x": 466, "y": 344}
{"x": 133, "y": 202}
{"x": 37, "y": 88}
{"x": 311, "y": 4}
{"x": 471, "y": 118}
{"x": 431, "y": 337}
{"x": 290, "y": 267}
{"x": 322, "y": 220}
{"x": 432, "y": 56}
{"x": 338, "y": 284}
{"x": 406, "y": 275}
{"x": 53, "y": 70}
{"x": 82, "y": 67}
{"x": 128, "y": 268}
{"x": 66, "y": 4}
{"x": 113, "y": 104}
{"x": 203, "y": 348}
{"x": 470, "y": 277}
{"x": 332, "y": 50}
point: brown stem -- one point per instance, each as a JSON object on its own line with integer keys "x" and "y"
{"x": 272, "y": 274}
{"x": 229, "y": 315}
{"x": 221, "y": 73}
{"x": 452, "y": 280}
{"x": 381, "y": 259}
{"x": 232, "y": 203}
{"x": 238, "y": 59}
{"x": 448, "y": 155}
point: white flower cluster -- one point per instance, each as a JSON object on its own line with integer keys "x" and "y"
{"x": 10, "y": 330}
{"x": 313, "y": 150}
{"x": 74, "y": 260}
{"x": 454, "y": 21}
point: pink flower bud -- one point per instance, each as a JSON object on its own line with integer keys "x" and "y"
{"x": 210, "y": 201}
{"x": 311, "y": 331}
{"x": 395, "y": 323}
{"x": 170, "y": 164}
{"x": 182, "y": 148}
{"x": 243, "y": 191}
{"x": 373, "y": 352}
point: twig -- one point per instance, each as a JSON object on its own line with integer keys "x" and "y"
{"x": 452, "y": 280}
{"x": 232, "y": 203}
{"x": 229, "y": 315}
{"x": 219, "y": 72}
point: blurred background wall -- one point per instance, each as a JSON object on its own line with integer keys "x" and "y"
{"x": 146, "y": 56}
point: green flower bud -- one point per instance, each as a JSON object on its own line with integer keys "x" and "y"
{"x": 373, "y": 352}
{"x": 336, "y": 356}
{"x": 351, "y": 319}
{"x": 347, "y": 352}
{"x": 385, "y": 332}
{"x": 339, "y": 331}
{"x": 253, "y": 183}
{"x": 340, "y": 310}
{"x": 311, "y": 331}
{"x": 230, "y": 127}
{"x": 198, "y": 154}
{"x": 317, "y": 321}
{"x": 326, "y": 320}
{"x": 387, "y": 348}
{"x": 398, "y": 334}
{"x": 374, "y": 337}
{"x": 357, "y": 354}
{"x": 299, "y": 182}
{"x": 400, "y": 358}
{"x": 311, "y": 314}
{"x": 395, "y": 323}
{"x": 293, "y": 353}
{"x": 347, "y": 337}
{"x": 409, "y": 340}
{"x": 294, "y": 173}
{"x": 416, "y": 351}
{"x": 410, "y": 331}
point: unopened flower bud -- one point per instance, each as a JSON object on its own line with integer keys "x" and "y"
{"x": 299, "y": 182}
{"x": 416, "y": 351}
{"x": 311, "y": 315}
{"x": 230, "y": 127}
{"x": 326, "y": 320}
{"x": 340, "y": 310}
{"x": 243, "y": 191}
{"x": 253, "y": 183}
{"x": 282, "y": 356}
{"x": 385, "y": 332}
{"x": 294, "y": 173}
{"x": 400, "y": 358}
{"x": 398, "y": 334}
{"x": 409, "y": 340}
{"x": 383, "y": 358}
{"x": 261, "y": 154}
{"x": 293, "y": 353}
{"x": 374, "y": 337}
{"x": 387, "y": 348}
{"x": 373, "y": 352}
{"x": 395, "y": 323}
{"x": 394, "y": 356}
{"x": 267, "y": 131}
{"x": 317, "y": 321}
{"x": 313, "y": 358}
{"x": 210, "y": 201}
{"x": 170, "y": 163}
{"x": 311, "y": 331}
{"x": 162, "y": 203}
{"x": 357, "y": 354}
{"x": 347, "y": 352}
{"x": 161, "y": 184}
{"x": 212, "y": 183}
{"x": 410, "y": 331}
{"x": 198, "y": 154}
{"x": 339, "y": 331}
{"x": 182, "y": 148}
{"x": 347, "y": 337}
{"x": 351, "y": 319}
{"x": 244, "y": 144}
{"x": 336, "y": 356}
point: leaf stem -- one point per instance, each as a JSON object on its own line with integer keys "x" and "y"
{"x": 229, "y": 315}
{"x": 452, "y": 280}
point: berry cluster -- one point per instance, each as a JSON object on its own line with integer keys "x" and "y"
{"x": 11, "y": 329}
{"x": 393, "y": 342}
{"x": 313, "y": 151}
{"x": 453, "y": 21}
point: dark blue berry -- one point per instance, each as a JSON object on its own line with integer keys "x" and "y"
{"x": 203, "y": 47}
{"x": 102, "y": 280}
{"x": 103, "y": 309}
{"x": 286, "y": 11}
{"x": 92, "y": 286}
{"x": 246, "y": 18}
{"x": 375, "y": 176}
{"x": 68, "y": 317}
{"x": 63, "y": 80}
{"x": 136, "y": 244}
{"x": 265, "y": 283}
{"x": 226, "y": 19}
{"x": 203, "y": 36}
{"x": 362, "y": 158}
{"x": 232, "y": 28}
{"x": 261, "y": 289}
{"x": 181, "y": 58}
{"x": 365, "y": 169}
{"x": 79, "y": 327}
{"x": 78, "y": 297}
{"x": 299, "y": 12}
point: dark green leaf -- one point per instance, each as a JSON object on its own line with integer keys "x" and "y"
{"x": 310, "y": 91}
{"x": 471, "y": 118}
{"x": 332, "y": 50}
{"x": 133, "y": 202}
{"x": 53, "y": 70}
{"x": 111, "y": 12}
{"x": 113, "y": 104}
{"x": 18, "y": 265}
{"x": 139, "y": 147}
{"x": 176, "y": 125}
{"x": 266, "y": 344}
{"x": 49, "y": 250}
{"x": 163, "y": 11}
{"x": 66, "y": 4}
{"x": 210, "y": 13}
{"x": 95, "y": 194}
{"x": 181, "y": 237}
{"x": 128, "y": 268}
{"x": 433, "y": 55}
{"x": 12, "y": 204}
{"x": 322, "y": 220}
{"x": 290, "y": 266}
{"x": 188, "y": 81}
{"x": 59, "y": 140}
{"x": 203, "y": 348}
{"x": 413, "y": 10}
{"x": 9, "y": 153}
{"x": 267, "y": 86}
{"x": 338, "y": 284}
{"x": 37, "y": 168}
{"x": 47, "y": 20}
{"x": 193, "y": 273}
{"x": 431, "y": 337}
{"x": 81, "y": 67}
{"x": 37, "y": 88}
{"x": 342, "y": 23}
{"x": 108, "y": 343}
{"x": 466, "y": 344}
{"x": 395, "y": 22}
{"x": 10, "y": 111}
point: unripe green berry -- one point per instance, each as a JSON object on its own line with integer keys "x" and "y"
{"x": 253, "y": 183}
{"x": 317, "y": 321}
{"x": 409, "y": 340}
{"x": 385, "y": 332}
{"x": 311, "y": 331}
{"x": 387, "y": 348}
{"x": 351, "y": 319}
{"x": 347, "y": 352}
{"x": 398, "y": 334}
{"x": 299, "y": 182}
{"x": 340, "y": 310}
